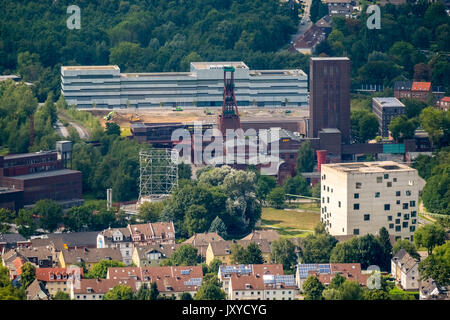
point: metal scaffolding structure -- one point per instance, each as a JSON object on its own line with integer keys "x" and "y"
{"x": 158, "y": 173}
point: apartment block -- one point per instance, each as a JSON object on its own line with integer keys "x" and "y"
{"x": 360, "y": 198}
{"x": 202, "y": 86}
{"x": 386, "y": 109}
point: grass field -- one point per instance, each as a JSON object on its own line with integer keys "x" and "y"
{"x": 289, "y": 223}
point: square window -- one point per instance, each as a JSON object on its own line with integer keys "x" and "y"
{"x": 358, "y": 185}
{"x": 412, "y": 203}
{"x": 408, "y": 192}
{"x": 406, "y": 216}
{"x": 397, "y": 193}
{"x": 367, "y": 217}
{"x": 379, "y": 179}
{"x": 405, "y": 206}
{"x": 391, "y": 226}
{"x": 413, "y": 221}
{"x": 356, "y": 196}
{"x": 356, "y": 206}
{"x": 397, "y": 202}
{"x": 377, "y": 194}
{"x": 405, "y": 224}
{"x": 386, "y": 176}
{"x": 355, "y": 231}
{"x": 389, "y": 184}
{"x": 394, "y": 179}
{"x": 399, "y": 214}
{"x": 413, "y": 213}
{"x": 412, "y": 228}
{"x": 387, "y": 207}
{"x": 398, "y": 228}
{"x": 397, "y": 221}
{"x": 389, "y": 218}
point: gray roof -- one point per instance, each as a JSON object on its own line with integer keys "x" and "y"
{"x": 389, "y": 102}
{"x": 11, "y": 237}
{"x": 76, "y": 239}
{"x": 402, "y": 85}
{"x": 45, "y": 174}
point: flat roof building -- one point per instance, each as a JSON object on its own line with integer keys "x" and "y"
{"x": 202, "y": 86}
{"x": 386, "y": 109}
{"x": 359, "y": 198}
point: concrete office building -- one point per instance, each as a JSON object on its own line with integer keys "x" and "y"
{"x": 107, "y": 87}
{"x": 329, "y": 95}
{"x": 360, "y": 198}
{"x": 386, "y": 109}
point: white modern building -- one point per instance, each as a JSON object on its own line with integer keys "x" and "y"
{"x": 360, "y": 198}
{"x": 107, "y": 87}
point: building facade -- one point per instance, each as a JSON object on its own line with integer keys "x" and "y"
{"x": 386, "y": 109}
{"x": 360, "y": 198}
{"x": 329, "y": 95}
{"x": 107, "y": 87}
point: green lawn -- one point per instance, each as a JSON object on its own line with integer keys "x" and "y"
{"x": 289, "y": 223}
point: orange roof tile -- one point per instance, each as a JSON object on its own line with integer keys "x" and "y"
{"x": 421, "y": 86}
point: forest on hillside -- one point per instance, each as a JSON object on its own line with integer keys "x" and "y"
{"x": 143, "y": 36}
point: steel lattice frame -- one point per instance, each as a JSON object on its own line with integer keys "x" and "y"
{"x": 158, "y": 172}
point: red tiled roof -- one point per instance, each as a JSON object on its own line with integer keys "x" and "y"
{"x": 168, "y": 278}
{"x": 445, "y": 99}
{"x": 43, "y": 274}
{"x": 18, "y": 263}
{"x": 421, "y": 86}
{"x": 102, "y": 286}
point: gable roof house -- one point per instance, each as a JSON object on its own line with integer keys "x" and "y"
{"x": 325, "y": 272}
{"x": 262, "y": 287}
{"x": 171, "y": 280}
{"x": 144, "y": 256}
{"x": 74, "y": 257}
{"x": 202, "y": 240}
{"x": 431, "y": 290}
{"x": 152, "y": 233}
{"x": 36, "y": 291}
{"x": 226, "y": 271}
{"x": 266, "y": 234}
{"x": 222, "y": 250}
{"x": 95, "y": 289}
{"x": 57, "y": 279}
{"x": 117, "y": 238}
{"x": 405, "y": 270}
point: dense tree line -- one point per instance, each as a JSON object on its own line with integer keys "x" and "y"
{"x": 411, "y": 44}
{"x": 143, "y": 36}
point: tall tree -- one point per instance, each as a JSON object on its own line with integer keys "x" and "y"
{"x": 28, "y": 274}
{"x": 283, "y": 251}
{"x": 429, "y": 236}
{"x": 119, "y": 292}
{"x": 305, "y": 158}
{"x": 313, "y": 288}
{"x": 211, "y": 289}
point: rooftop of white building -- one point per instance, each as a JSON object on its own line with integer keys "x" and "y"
{"x": 369, "y": 167}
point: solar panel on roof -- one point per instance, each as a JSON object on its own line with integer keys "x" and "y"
{"x": 185, "y": 271}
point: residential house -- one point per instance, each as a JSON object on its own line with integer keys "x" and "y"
{"x": 57, "y": 279}
{"x": 202, "y": 240}
{"x": 41, "y": 257}
{"x": 12, "y": 241}
{"x": 95, "y": 289}
{"x": 266, "y": 234}
{"x": 88, "y": 257}
{"x": 405, "y": 270}
{"x": 152, "y": 255}
{"x": 171, "y": 280}
{"x": 226, "y": 271}
{"x": 262, "y": 287}
{"x": 152, "y": 233}
{"x": 36, "y": 291}
{"x": 117, "y": 238}
{"x": 431, "y": 290}
{"x": 325, "y": 272}
{"x": 222, "y": 250}
{"x": 444, "y": 103}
